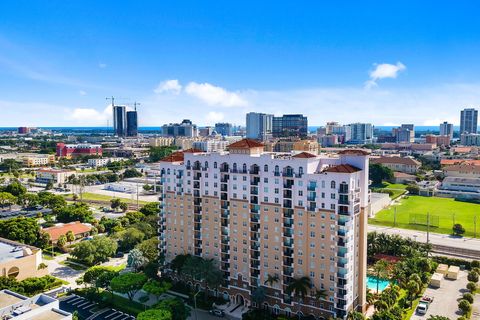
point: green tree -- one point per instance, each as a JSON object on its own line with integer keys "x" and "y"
{"x": 179, "y": 261}
{"x": 176, "y": 307}
{"x": 62, "y": 241}
{"x": 412, "y": 288}
{"x": 157, "y": 153}
{"x": 115, "y": 203}
{"x": 128, "y": 283}
{"x": 28, "y": 200}
{"x": 468, "y": 296}
{"x": 7, "y": 199}
{"x": 70, "y": 236}
{"x": 465, "y": 306}
{"x": 123, "y": 206}
{"x": 131, "y": 173}
{"x": 413, "y": 189}
{"x": 438, "y": 318}
{"x": 378, "y": 173}
{"x": 10, "y": 165}
{"x": 380, "y": 269}
{"x": 149, "y": 249}
{"x": 354, "y": 315}
{"x": 129, "y": 238}
{"x": 259, "y": 295}
{"x": 95, "y": 251}
{"x": 472, "y": 276}
{"x": 271, "y": 280}
{"x": 15, "y": 188}
{"x": 299, "y": 287}
{"x": 78, "y": 211}
{"x": 458, "y": 229}
{"x": 25, "y": 230}
{"x": 157, "y": 288}
{"x": 472, "y": 287}
{"x": 136, "y": 260}
{"x": 150, "y": 209}
{"x": 134, "y": 217}
{"x": 155, "y": 314}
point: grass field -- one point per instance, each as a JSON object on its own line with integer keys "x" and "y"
{"x": 87, "y": 196}
{"x": 447, "y": 210}
{"x": 397, "y": 188}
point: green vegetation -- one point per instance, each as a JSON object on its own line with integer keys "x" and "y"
{"x": 448, "y": 211}
{"x": 31, "y": 286}
{"x": 95, "y": 251}
{"x": 379, "y": 173}
{"x": 394, "y": 190}
{"x": 87, "y": 196}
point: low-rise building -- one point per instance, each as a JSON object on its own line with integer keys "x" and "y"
{"x": 211, "y": 145}
{"x": 161, "y": 141}
{"x": 40, "y": 307}
{"x": 36, "y": 160}
{"x": 470, "y": 139}
{"x": 77, "y": 150}
{"x": 102, "y": 162}
{"x": 462, "y": 170}
{"x": 79, "y": 230}
{"x": 55, "y": 176}
{"x": 437, "y": 140}
{"x": 20, "y": 261}
{"x": 462, "y": 184}
{"x": 400, "y": 164}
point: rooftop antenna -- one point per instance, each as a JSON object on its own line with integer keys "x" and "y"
{"x": 135, "y": 104}
{"x": 112, "y": 99}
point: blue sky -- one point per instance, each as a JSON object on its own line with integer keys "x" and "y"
{"x": 216, "y": 60}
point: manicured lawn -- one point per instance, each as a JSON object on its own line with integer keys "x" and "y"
{"x": 447, "y": 210}
{"x": 87, "y": 196}
{"x": 397, "y": 188}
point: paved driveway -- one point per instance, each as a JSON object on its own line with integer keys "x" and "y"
{"x": 445, "y": 298}
{"x": 63, "y": 272}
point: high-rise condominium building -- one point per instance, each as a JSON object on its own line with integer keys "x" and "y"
{"x": 446, "y": 129}
{"x": 266, "y": 216}
{"x": 290, "y": 125}
{"x": 119, "y": 120}
{"x": 468, "y": 120}
{"x": 361, "y": 133}
{"x": 223, "y": 128}
{"x": 184, "y": 129}
{"x": 404, "y": 134}
{"x": 132, "y": 123}
{"x": 259, "y": 125}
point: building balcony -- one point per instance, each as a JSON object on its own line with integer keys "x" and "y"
{"x": 254, "y": 190}
{"x": 224, "y": 168}
{"x": 288, "y": 271}
{"x": 287, "y": 232}
{"x": 255, "y": 246}
{"x": 287, "y": 203}
{"x": 276, "y": 173}
{"x": 287, "y": 194}
{"x": 224, "y": 178}
{"x": 255, "y": 170}
{"x": 311, "y": 198}
{"x": 288, "y": 252}
{"x": 287, "y": 222}
{"x": 223, "y": 196}
{"x": 288, "y": 213}
{"x": 255, "y": 181}
{"x": 224, "y": 187}
{"x": 254, "y": 199}
{"x": 311, "y": 187}
{"x": 254, "y": 217}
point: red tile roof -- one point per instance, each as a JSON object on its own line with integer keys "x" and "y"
{"x": 342, "y": 168}
{"x": 447, "y": 162}
{"x": 304, "y": 155}
{"x": 174, "y": 157}
{"x": 245, "y": 144}
{"x": 396, "y": 160}
{"x": 356, "y": 152}
{"x": 76, "y": 227}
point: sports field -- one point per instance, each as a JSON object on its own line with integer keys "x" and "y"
{"x": 412, "y": 213}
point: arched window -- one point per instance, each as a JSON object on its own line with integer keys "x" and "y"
{"x": 332, "y": 184}
{"x": 168, "y": 171}
{"x": 206, "y": 164}
{"x": 277, "y": 169}
{"x": 13, "y": 272}
{"x": 188, "y": 163}
{"x": 244, "y": 167}
{"x": 300, "y": 170}
{"x": 234, "y": 167}
{"x": 215, "y": 165}
{"x": 265, "y": 168}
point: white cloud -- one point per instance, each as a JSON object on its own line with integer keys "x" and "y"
{"x": 90, "y": 116}
{"x": 82, "y": 93}
{"x": 172, "y": 86}
{"x": 102, "y": 65}
{"x": 215, "y": 96}
{"x": 212, "y": 117}
{"x": 382, "y": 71}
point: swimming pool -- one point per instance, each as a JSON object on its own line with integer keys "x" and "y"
{"x": 372, "y": 283}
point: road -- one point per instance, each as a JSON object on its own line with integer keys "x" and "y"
{"x": 202, "y": 315}
{"x": 434, "y": 238}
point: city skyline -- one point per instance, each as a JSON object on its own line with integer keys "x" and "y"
{"x": 321, "y": 60}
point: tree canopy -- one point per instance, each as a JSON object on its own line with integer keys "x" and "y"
{"x": 128, "y": 283}
{"x": 95, "y": 251}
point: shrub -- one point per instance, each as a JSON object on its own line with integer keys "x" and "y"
{"x": 475, "y": 264}
{"x": 472, "y": 276}
{"x": 458, "y": 229}
{"x": 468, "y": 296}
{"x": 472, "y": 286}
{"x": 465, "y": 306}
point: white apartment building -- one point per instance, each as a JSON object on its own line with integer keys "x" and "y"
{"x": 261, "y": 214}
{"x": 53, "y": 175}
{"x": 102, "y": 162}
{"x": 211, "y": 145}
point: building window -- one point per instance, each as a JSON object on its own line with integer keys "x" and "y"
{"x": 265, "y": 168}
{"x": 332, "y": 184}
{"x": 215, "y": 165}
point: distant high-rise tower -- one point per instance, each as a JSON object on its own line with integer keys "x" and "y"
{"x": 446, "y": 129}
{"x": 132, "y": 123}
{"x": 119, "y": 120}
{"x": 259, "y": 125}
{"x": 468, "y": 120}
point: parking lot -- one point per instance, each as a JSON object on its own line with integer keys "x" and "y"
{"x": 445, "y": 298}
{"x": 87, "y": 309}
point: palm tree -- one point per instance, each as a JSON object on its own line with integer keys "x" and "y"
{"x": 271, "y": 279}
{"x": 370, "y": 297}
{"x": 299, "y": 288}
{"x": 380, "y": 268}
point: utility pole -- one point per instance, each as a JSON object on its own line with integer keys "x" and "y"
{"x": 475, "y": 226}
{"x": 428, "y": 227}
{"x": 453, "y": 218}
{"x": 135, "y": 104}
{"x": 112, "y": 100}
{"x": 394, "y": 216}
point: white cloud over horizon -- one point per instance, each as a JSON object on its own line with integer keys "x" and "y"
{"x": 382, "y": 71}
{"x": 169, "y": 86}
{"x": 215, "y": 96}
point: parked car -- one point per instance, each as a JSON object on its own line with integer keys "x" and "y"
{"x": 424, "y": 304}
{"x": 217, "y": 312}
